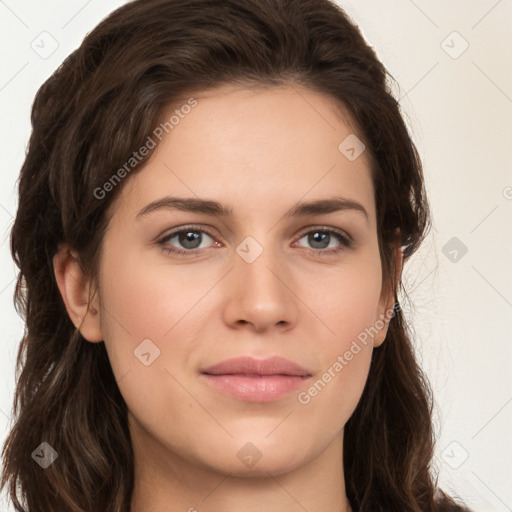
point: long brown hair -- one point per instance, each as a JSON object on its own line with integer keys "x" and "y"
{"x": 87, "y": 119}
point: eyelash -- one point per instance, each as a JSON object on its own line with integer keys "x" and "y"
{"x": 344, "y": 239}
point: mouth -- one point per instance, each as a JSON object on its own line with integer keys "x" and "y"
{"x": 254, "y": 380}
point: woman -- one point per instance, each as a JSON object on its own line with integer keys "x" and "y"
{"x": 214, "y": 213}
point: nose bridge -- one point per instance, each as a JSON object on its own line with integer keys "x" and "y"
{"x": 260, "y": 295}
{"x": 258, "y": 265}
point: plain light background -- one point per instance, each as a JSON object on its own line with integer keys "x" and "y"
{"x": 452, "y": 61}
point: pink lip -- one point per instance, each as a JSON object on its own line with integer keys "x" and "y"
{"x": 256, "y": 380}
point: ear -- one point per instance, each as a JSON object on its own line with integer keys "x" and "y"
{"x": 74, "y": 288}
{"x": 387, "y": 300}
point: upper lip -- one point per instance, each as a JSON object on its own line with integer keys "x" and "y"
{"x": 251, "y": 366}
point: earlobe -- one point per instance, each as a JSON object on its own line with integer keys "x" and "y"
{"x": 387, "y": 304}
{"x": 75, "y": 290}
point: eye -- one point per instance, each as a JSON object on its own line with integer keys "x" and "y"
{"x": 192, "y": 240}
{"x": 326, "y": 240}
{"x": 188, "y": 240}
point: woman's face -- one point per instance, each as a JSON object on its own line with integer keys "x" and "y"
{"x": 271, "y": 276}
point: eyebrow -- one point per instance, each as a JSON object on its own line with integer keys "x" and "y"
{"x": 209, "y": 207}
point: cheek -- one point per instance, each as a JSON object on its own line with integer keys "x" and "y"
{"x": 150, "y": 327}
{"x": 347, "y": 304}
{"x": 345, "y": 301}
{"x": 332, "y": 396}
{"x": 141, "y": 302}
{"x": 148, "y": 300}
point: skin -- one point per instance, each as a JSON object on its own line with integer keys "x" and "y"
{"x": 258, "y": 152}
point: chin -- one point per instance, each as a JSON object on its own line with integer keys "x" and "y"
{"x": 249, "y": 460}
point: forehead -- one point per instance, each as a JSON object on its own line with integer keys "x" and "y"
{"x": 255, "y": 147}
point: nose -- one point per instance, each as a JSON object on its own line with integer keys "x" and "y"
{"x": 260, "y": 294}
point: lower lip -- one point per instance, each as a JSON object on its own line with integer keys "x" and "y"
{"x": 256, "y": 389}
